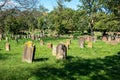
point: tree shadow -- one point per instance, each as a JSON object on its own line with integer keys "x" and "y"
{"x": 6, "y": 55}
{"x": 69, "y": 57}
{"x": 83, "y": 69}
{"x": 40, "y": 59}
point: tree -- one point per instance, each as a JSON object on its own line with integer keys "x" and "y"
{"x": 112, "y": 6}
{"x": 91, "y": 7}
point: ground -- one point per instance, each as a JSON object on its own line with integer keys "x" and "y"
{"x": 98, "y": 63}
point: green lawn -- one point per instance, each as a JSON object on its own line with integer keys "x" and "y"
{"x": 102, "y": 62}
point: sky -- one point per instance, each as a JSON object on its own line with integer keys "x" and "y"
{"x": 50, "y": 4}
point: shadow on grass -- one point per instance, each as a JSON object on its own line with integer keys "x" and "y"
{"x": 69, "y": 57}
{"x": 41, "y": 59}
{"x": 5, "y": 56}
{"x": 82, "y": 69}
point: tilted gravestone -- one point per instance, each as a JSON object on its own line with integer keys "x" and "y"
{"x": 61, "y": 51}
{"x": 54, "y": 51}
{"x": 49, "y": 45}
{"x": 7, "y": 46}
{"x": 81, "y": 42}
{"x": 41, "y": 42}
{"x": 29, "y": 52}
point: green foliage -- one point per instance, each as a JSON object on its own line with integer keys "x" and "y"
{"x": 106, "y": 22}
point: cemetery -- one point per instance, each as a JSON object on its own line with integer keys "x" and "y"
{"x": 60, "y": 40}
{"x": 21, "y": 61}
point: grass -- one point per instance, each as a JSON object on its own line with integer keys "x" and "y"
{"x": 98, "y": 63}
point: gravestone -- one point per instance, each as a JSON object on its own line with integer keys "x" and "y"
{"x": 67, "y": 45}
{"x": 29, "y": 52}
{"x": 109, "y": 39}
{"x": 16, "y": 39}
{"x": 0, "y": 37}
{"x": 6, "y": 38}
{"x": 41, "y": 42}
{"x": 72, "y": 36}
{"x": 94, "y": 38}
{"x": 88, "y": 38}
{"x": 54, "y": 51}
{"x": 104, "y": 38}
{"x": 7, "y": 46}
{"x": 33, "y": 37}
{"x": 24, "y": 36}
{"x": 61, "y": 51}
{"x": 117, "y": 39}
{"x": 81, "y": 42}
{"x": 90, "y": 45}
{"x": 68, "y": 41}
{"x": 49, "y": 45}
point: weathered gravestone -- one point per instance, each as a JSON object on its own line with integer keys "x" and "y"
{"x": 7, "y": 46}
{"x": 94, "y": 38}
{"x": 104, "y": 38}
{"x": 41, "y": 42}
{"x": 54, "y": 51}
{"x": 117, "y": 39}
{"x": 33, "y": 37}
{"x": 67, "y": 45}
{"x": 81, "y": 42}
{"x": 109, "y": 38}
{"x": 90, "y": 45}
{"x": 88, "y": 38}
{"x": 49, "y": 45}
{"x": 0, "y": 37}
{"x": 61, "y": 51}
{"x": 72, "y": 36}
{"x": 29, "y": 52}
{"x": 16, "y": 39}
{"x": 68, "y": 41}
{"x": 6, "y": 38}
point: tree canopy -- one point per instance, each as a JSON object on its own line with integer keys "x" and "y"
{"x": 92, "y": 15}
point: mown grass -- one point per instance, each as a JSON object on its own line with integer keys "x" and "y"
{"x": 98, "y": 63}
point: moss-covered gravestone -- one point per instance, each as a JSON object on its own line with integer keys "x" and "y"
{"x": 90, "y": 45}
{"x": 81, "y": 42}
{"x": 29, "y": 52}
